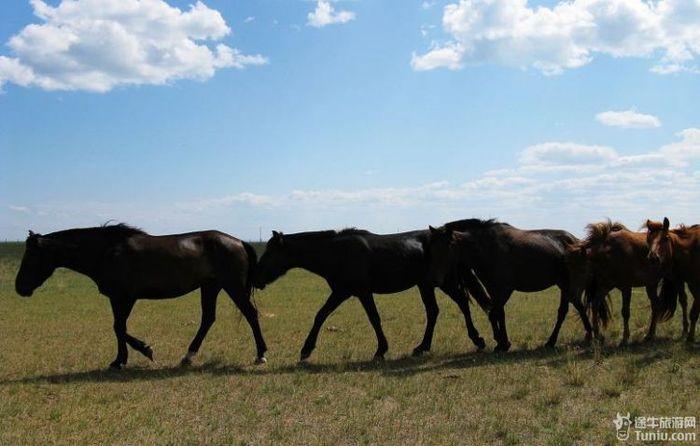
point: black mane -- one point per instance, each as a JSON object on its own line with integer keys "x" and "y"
{"x": 327, "y": 234}
{"x": 115, "y": 231}
{"x": 474, "y": 224}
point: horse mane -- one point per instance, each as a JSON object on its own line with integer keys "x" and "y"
{"x": 353, "y": 231}
{"x": 112, "y": 231}
{"x": 326, "y": 234}
{"x": 684, "y": 230}
{"x": 599, "y": 232}
{"x": 473, "y": 224}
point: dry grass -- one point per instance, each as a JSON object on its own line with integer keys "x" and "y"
{"x": 56, "y": 344}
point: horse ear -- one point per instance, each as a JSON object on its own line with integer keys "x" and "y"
{"x": 666, "y": 223}
{"x": 648, "y": 224}
{"x": 432, "y": 230}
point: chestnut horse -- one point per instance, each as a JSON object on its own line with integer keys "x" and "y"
{"x": 618, "y": 258}
{"x": 508, "y": 259}
{"x": 678, "y": 252}
{"x": 127, "y": 264}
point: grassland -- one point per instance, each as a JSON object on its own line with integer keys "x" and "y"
{"x": 56, "y": 345}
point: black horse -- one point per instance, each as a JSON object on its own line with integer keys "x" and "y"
{"x": 128, "y": 264}
{"x": 359, "y": 263}
{"x": 508, "y": 259}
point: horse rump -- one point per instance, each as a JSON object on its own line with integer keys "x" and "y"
{"x": 595, "y": 307}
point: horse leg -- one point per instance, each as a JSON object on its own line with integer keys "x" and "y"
{"x": 503, "y": 342}
{"x": 462, "y": 300}
{"x": 367, "y": 301}
{"x": 653, "y": 299}
{"x": 208, "y": 301}
{"x": 427, "y": 294}
{"x": 121, "y": 308}
{"x": 626, "y": 299}
{"x": 576, "y": 300}
{"x": 561, "y": 315}
{"x": 139, "y": 346}
{"x": 333, "y": 302}
{"x": 683, "y": 299}
{"x": 241, "y": 298}
{"x": 694, "y": 311}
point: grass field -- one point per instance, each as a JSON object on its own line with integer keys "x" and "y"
{"x": 56, "y": 345}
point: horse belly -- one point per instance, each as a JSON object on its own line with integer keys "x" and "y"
{"x": 169, "y": 280}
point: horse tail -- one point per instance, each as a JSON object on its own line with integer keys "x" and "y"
{"x": 594, "y": 308}
{"x": 252, "y": 267}
{"x": 668, "y": 301}
{"x": 471, "y": 285}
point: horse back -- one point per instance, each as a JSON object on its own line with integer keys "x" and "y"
{"x": 171, "y": 265}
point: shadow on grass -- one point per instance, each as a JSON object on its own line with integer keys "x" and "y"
{"x": 642, "y": 354}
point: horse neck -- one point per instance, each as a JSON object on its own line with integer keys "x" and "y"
{"x": 684, "y": 249}
{"x": 82, "y": 252}
{"x": 311, "y": 255}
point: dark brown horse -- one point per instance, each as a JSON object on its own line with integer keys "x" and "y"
{"x": 508, "y": 259}
{"x": 358, "y": 263}
{"x": 678, "y": 252}
{"x": 128, "y": 264}
{"x": 618, "y": 258}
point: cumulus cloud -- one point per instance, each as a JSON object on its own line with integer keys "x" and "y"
{"x": 568, "y": 35}
{"x": 96, "y": 45}
{"x": 325, "y": 14}
{"x": 628, "y": 119}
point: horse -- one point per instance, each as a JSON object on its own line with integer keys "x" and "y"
{"x": 677, "y": 251}
{"x": 508, "y": 259}
{"x": 128, "y": 264}
{"x": 619, "y": 258}
{"x": 356, "y": 262}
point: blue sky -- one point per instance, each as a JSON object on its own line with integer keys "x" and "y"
{"x": 398, "y": 115}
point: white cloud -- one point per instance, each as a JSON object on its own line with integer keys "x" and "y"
{"x": 325, "y": 14}
{"x": 448, "y": 56}
{"x": 628, "y": 119}
{"x": 249, "y": 19}
{"x": 23, "y": 209}
{"x": 569, "y": 34}
{"x": 97, "y": 45}
{"x": 566, "y": 153}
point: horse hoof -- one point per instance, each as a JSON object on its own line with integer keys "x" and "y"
{"x": 186, "y": 361}
{"x": 589, "y": 337}
{"x": 417, "y": 352}
{"x": 148, "y": 352}
{"x": 622, "y": 344}
{"x": 378, "y": 358}
{"x": 260, "y": 360}
{"x": 116, "y": 365}
{"x": 502, "y": 347}
{"x": 480, "y": 343}
{"x": 550, "y": 345}
{"x": 648, "y": 338}
{"x": 303, "y": 357}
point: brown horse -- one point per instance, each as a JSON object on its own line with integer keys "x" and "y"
{"x": 618, "y": 258}
{"x": 128, "y": 264}
{"x": 678, "y": 252}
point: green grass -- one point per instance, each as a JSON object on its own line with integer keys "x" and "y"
{"x": 56, "y": 345}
